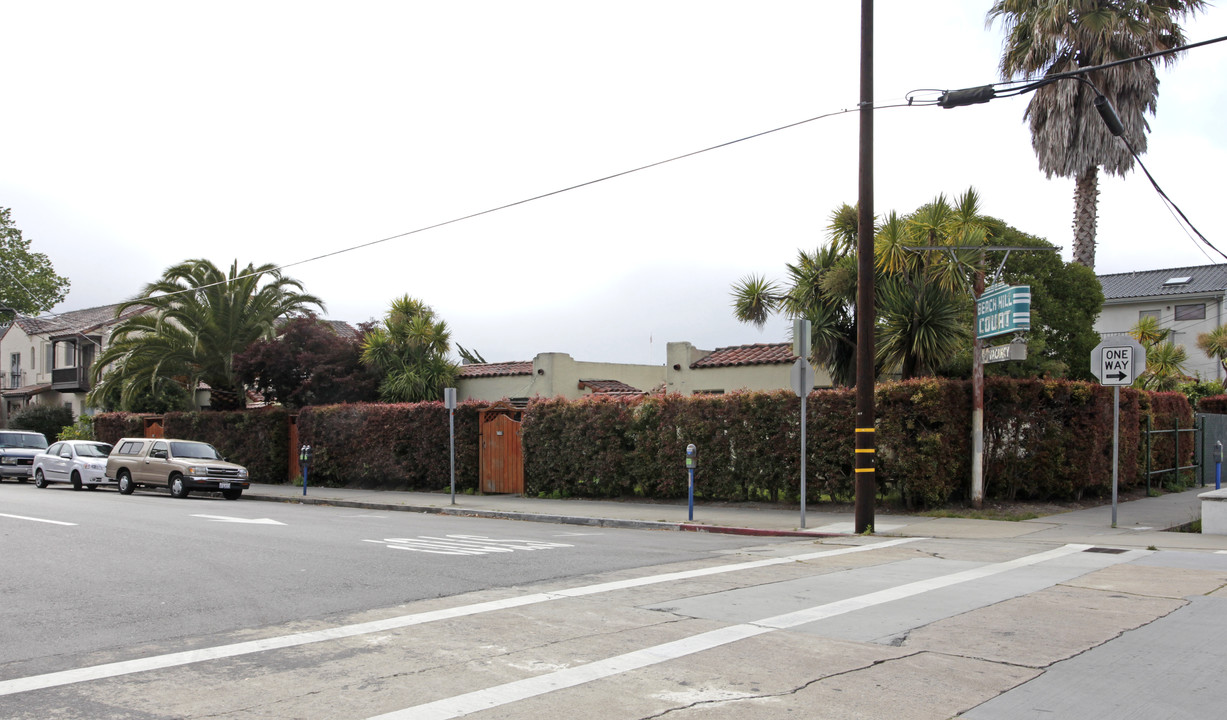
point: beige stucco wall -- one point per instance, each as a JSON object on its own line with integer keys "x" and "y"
{"x": 557, "y": 374}
{"x": 1119, "y": 316}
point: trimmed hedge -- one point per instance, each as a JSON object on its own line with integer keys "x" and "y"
{"x": 1043, "y": 440}
{"x": 257, "y": 439}
{"x": 401, "y": 446}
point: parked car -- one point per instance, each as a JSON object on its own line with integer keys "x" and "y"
{"x": 17, "y": 451}
{"x": 178, "y": 465}
{"x": 80, "y": 462}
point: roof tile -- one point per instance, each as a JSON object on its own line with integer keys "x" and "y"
{"x": 519, "y": 367}
{"x": 757, "y": 354}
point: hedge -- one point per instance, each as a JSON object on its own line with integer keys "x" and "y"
{"x": 390, "y": 446}
{"x": 1043, "y": 440}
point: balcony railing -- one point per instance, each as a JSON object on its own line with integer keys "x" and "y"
{"x": 74, "y": 379}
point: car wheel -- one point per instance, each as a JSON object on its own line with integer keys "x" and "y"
{"x": 76, "y": 480}
{"x": 177, "y": 488}
{"x": 233, "y": 494}
{"x": 39, "y": 480}
{"x": 92, "y": 486}
{"x": 126, "y": 486}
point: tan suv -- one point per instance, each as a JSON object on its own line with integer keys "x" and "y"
{"x": 178, "y": 465}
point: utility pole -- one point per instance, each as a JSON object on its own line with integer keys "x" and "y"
{"x": 866, "y": 482}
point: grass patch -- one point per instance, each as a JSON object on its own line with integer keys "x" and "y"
{"x": 983, "y": 514}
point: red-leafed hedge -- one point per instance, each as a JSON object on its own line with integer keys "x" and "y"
{"x": 1043, "y": 439}
{"x": 390, "y": 446}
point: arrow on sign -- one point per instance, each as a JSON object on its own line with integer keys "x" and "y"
{"x": 249, "y": 521}
{"x": 1117, "y": 376}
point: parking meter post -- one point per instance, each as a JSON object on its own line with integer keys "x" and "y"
{"x": 691, "y": 463}
{"x": 1218, "y": 465}
{"x": 304, "y": 459}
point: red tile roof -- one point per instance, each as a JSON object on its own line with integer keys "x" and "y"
{"x": 609, "y": 387}
{"x": 757, "y": 354}
{"x": 519, "y": 367}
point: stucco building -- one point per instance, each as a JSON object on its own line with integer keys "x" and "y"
{"x": 688, "y": 370}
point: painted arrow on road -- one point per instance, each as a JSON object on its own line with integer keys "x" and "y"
{"x": 249, "y": 521}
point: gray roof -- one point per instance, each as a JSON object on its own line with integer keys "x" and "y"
{"x": 75, "y": 321}
{"x": 1202, "y": 280}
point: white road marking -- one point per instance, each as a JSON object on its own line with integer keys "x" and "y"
{"x": 499, "y": 695}
{"x": 128, "y": 667}
{"x": 41, "y": 520}
{"x": 248, "y": 521}
{"x": 464, "y": 544}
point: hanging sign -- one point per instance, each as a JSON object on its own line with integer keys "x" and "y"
{"x": 1003, "y": 309}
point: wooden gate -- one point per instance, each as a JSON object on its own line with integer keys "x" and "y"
{"x": 502, "y": 458}
{"x": 153, "y": 427}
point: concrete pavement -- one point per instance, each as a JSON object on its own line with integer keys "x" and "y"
{"x": 1141, "y": 523}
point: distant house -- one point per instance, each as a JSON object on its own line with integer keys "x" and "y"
{"x": 48, "y": 359}
{"x": 1188, "y": 301}
{"x": 688, "y": 370}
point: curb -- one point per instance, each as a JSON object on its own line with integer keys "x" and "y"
{"x": 536, "y": 517}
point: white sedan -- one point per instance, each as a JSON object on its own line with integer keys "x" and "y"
{"x": 80, "y": 462}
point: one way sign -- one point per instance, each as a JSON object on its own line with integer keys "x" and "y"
{"x": 1118, "y": 361}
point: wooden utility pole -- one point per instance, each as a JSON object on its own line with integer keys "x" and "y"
{"x": 866, "y": 483}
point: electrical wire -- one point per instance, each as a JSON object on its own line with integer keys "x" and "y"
{"x": 542, "y": 196}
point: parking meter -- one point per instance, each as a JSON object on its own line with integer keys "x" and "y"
{"x": 304, "y": 460}
{"x": 692, "y": 462}
{"x": 1218, "y": 465}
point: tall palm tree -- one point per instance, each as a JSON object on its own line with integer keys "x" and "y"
{"x": 410, "y": 349}
{"x": 1048, "y": 37}
{"x": 197, "y": 319}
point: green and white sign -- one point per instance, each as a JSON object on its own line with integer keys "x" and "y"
{"x": 1003, "y": 309}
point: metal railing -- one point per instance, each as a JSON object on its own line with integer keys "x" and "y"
{"x": 1197, "y": 432}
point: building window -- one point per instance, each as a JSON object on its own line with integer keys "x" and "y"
{"x": 1149, "y": 314}
{"x": 68, "y": 405}
{"x": 50, "y": 357}
{"x": 1191, "y": 312}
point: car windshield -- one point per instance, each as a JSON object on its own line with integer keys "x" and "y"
{"x": 22, "y": 440}
{"x": 203, "y": 451}
{"x": 100, "y": 450}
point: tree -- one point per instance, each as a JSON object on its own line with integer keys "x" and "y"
{"x": 28, "y": 283}
{"x": 307, "y": 364}
{"x": 923, "y": 301}
{"x": 196, "y": 320}
{"x": 1214, "y": 344}
{"x": 410, "y": 351}
{"x": 1065, "y": 300}
{"x": 1164, "y": 359}
{"x": 1048, "y": 37}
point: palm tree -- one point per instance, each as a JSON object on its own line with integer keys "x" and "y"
{"x": 1214, "y": 344}
{"x": 197, "y": 319}
{"x": 1048, "y": 37}
{"x": 1164, "y": 359}
{"x": 922, "y": 301}
{"x": 410, "y": 349}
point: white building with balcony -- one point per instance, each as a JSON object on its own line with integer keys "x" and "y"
{"x": 47, "y": 360}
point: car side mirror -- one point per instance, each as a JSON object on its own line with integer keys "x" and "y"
{"x": 67, "y": 457}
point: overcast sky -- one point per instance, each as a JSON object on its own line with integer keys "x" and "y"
{"x": 137, "y": 135}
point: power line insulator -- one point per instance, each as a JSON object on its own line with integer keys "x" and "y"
{"x": 1108, "y": 113}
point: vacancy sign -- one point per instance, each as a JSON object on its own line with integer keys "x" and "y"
{"x": 1118, "y": 361}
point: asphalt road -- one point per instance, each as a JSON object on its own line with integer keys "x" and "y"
{"x": 148, "y": 607}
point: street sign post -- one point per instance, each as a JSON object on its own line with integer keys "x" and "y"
{"x": 1117, "y": 361}
{"x": 802, "y": 380}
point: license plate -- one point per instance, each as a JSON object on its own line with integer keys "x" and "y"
{"x": 223, "y": 486}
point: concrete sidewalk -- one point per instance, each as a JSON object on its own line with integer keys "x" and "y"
{"x": 1140, "y": 523}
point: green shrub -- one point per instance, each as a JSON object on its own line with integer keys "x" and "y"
{"x": 46, "y": 419}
